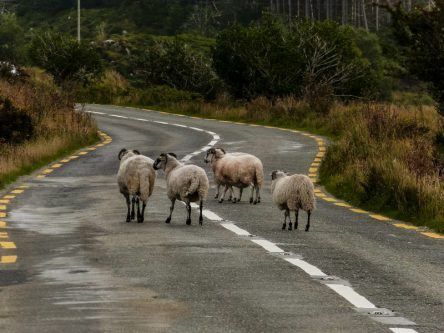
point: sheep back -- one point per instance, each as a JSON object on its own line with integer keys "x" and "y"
{"x": 187, "y": 182}
{"x": 294, "y": 192}
{"x": 240, "y": 170}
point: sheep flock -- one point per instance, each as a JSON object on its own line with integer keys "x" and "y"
{"x": 189, "y": 183}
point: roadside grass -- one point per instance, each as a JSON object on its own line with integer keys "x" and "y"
{"x": 382, "y": 157}
{"x": 39, "y": 125}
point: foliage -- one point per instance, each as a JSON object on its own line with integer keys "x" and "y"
{"x": 15, "y": 126}
{"x": 11, "y": 39}
{"x": 421, "y": 32}
{"x": 65, "y": 58}
{"x": 308, "y": 59}
{"x": 175, "y": 64}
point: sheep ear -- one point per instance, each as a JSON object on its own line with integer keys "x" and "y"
{"x": 172, "y": 154}
{"x": 273, "y": 175}
{"x": 223, "y": 150}
{"x": 121, "y": 153}
{"x": 135, "y": 151}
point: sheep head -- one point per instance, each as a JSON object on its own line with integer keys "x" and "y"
{"x": 214, "y": 153}
{"x": 162, "y": 161}
{"x": 276, "y": 174}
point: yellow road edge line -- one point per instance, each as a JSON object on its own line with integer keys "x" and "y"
{"x": 64, "y": 161}
{"x": 2, "y": 224}
{"x": 433, "y": 235}
{"x": 2, "y": 214}
{"x": 17, "y": 191}
{"x": 8, "y": 259}
{"x": 4, "y": 234}
{"x": 2, "y": 207}
{"x": 57, "y": 165}
{"x": 405, "y": 226}
{"x": 330, "y": 199}
{"x": 360, "y": 211}
{"x": 8, "y": 196}
{"x": 7, "y": 245}
{"x": 342, "y": 204}
{"x": 379, "y": 217}
{"x": 83, "y": 153}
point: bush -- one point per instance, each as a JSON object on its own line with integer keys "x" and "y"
{"x": 175, "y": 64}
{"x": 11, "y": 39}
{"x": 15, "y": 126}
{"x": 64, "y": 58}
{"x": 315, "y": 60}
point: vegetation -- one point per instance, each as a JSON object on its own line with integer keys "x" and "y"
{"x": 332, "y": 67}
{"x": 38, "y": 124}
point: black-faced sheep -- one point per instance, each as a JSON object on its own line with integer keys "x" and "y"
{"x": 291, "y": 193}
{"x": 136, "y": 179}
{"x": 236, "y": 169}
{"x": 187, "y": 183}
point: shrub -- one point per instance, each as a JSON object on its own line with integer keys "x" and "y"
{"x": 15, "y": 126}
{"x": 175, "y": 64}
{"x": 11, "y": 39}
{"x": 64, "y": 58}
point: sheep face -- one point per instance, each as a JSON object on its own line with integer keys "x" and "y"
{"x": 276, "y": 174}
{"x": 162, "y": 161}
{"x": 214, "y": 153}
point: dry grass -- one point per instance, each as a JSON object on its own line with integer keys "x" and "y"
{"x": 58, "y": 129}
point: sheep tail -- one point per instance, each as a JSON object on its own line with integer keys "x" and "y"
{"x": 144, "y": 181}
{"x": 194, "y": 185}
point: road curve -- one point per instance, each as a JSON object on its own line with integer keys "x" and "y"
{"x": 81, "y": 268}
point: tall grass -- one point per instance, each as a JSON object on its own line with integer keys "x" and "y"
{"x": 57, "y": 128}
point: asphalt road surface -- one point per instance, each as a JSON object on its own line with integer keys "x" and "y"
{"x": 81, "y": 268}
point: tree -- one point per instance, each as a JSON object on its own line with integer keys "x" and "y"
{"x": 11, "y": 39}
{"x": 421, "y": 32}
{"x": 64, "y": 58}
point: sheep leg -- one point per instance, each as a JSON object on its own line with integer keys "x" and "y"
{"x": 222, "y": 197}
{"x": 188, "y": 213}
{"x": 290, "y": 225}
{"x": 251, "y": 194}
{"x": 133, "y": 212}
{"x": 141, "y": 217}
{"x": 258, "y": 197}
{"x": 307, "y": 227}
{"x": 218, "y": 190}
{"x": 138, "y": 208}
{"x": 200, "y": 214}
{"x": 128, "y": 205}
{"x": 296, "y": 223}
{"x": 230, "y": 197}
{"x": 284, "y": 226}
{"x": 240, "y": 193}
{"x": 168, "y": 220}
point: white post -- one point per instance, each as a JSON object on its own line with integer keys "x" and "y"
{"x": 78, "y": 21}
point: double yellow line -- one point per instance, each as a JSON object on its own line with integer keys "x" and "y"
{"x": 5, "y": 243}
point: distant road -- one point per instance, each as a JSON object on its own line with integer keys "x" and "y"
{"x": 81, "y": 268}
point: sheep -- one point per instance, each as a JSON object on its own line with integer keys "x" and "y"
{"x": 187, "y": 183}
{"x": 291, "y": 193}
{"x": 236, "y": 169}
{"x": 136, "y": 178}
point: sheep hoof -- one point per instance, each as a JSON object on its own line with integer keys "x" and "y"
{"x": 221, "y": 200}
{"x": 168, "y": 220}
{"x": 306, "y": 229}
{"x": 128, "y": 218}
{"x": 230, "y": 199}
{"x": 140, "y": 220}
{"x": 251, "y": 200}
{"x": 200, "y": 221}
{"x": 283, "y": 226}
{"x": 217, "y": 196}
{"x": 234, "y": 200}
{"x": 290, "y": 227}
{"x": 255, "y": 202}
{"x": 188, "y": 222}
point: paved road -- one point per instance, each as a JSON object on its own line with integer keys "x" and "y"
{"x": 81, "y": 268}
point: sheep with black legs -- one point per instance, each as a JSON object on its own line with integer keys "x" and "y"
{"x": 136, "y": 179}
{"x": 236, "y": 169}
{"x": 187, "y": 183}
{"x": 291, "y": 193}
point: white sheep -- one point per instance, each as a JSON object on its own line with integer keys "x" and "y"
{"x": 136, "y": 179}
{"x": 236, "y": 169}
{"x": 291, "y": 193}
{"x": 187, "y": 183}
